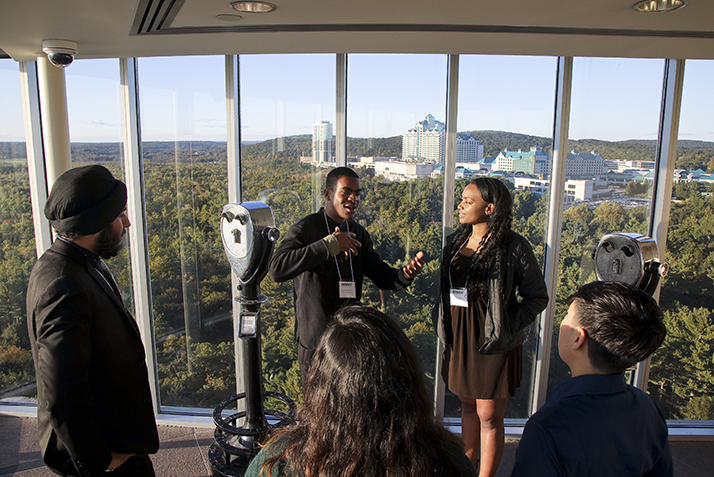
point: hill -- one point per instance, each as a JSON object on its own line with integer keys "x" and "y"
{"x": 692, "y": 154}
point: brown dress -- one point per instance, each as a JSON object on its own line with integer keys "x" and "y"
{"x": 470, "y": 374}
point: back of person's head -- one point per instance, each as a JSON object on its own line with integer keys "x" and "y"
{"x": 623, "y": 324}
{"x": 364, "y": 366}
{"x": 334, "y": 175}
{"x": 366, "y": 408}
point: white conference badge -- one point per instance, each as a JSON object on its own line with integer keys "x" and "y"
{"x": 348, "y": 289}
{"x": 459, "y": 297}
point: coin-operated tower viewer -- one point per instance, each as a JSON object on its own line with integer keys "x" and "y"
{"x": 249, "y": 235}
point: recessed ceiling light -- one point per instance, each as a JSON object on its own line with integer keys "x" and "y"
{"x": 228, "y": 17}
{"x": 253, "y": 7}
{"x": 649, "y": 6}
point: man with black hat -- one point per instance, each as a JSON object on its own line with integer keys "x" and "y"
{"x": 94, "y": 412}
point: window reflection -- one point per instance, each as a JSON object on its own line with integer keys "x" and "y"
{"x": 613, "y": 134}
{"x": 93, "y": 104}
{"x": 184, "y": 148}
{"x": 506, "y": 105}
{"x": 614, "y": 117}
{"x": 681, "y": 378}
{"x": 282, "y": 119}
{"x": 389, "y": 112}
{"x": 288, "y": 117}
{"x": 17, "y": 243}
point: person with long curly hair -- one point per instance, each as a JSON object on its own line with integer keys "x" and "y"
{"x": 366, "y": 412}
{"x": 491, "y": 289}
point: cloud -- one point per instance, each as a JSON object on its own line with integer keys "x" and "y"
{"x": 97, "y": 122}
{"x": 211, "y": 123}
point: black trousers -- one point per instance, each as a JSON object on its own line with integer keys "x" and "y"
{"x": 137, "y": 466}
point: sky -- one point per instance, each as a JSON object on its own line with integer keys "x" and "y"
{"x": 282, "y": 95}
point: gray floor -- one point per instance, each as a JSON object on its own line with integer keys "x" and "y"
{"x": 184, "y": 452}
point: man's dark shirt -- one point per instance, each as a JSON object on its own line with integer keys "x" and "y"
{"x": 595, "y": 425}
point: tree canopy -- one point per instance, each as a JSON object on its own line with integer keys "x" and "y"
{"x": 186, "y": 188}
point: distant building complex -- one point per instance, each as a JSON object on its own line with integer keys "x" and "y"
{"x": 589, "y": 177}
{"x": 392, "y": 169}
{"x": 537, "y": 163}
{"x": 322, "y": 142}
{"x": 575, "y": 190}
{"x": 622, "y": 166}
{"x": 585, "y": 165}
{"x": 425, "y": 141}
{"x": 534, "y": 161}
{"x": 468, "y": 149}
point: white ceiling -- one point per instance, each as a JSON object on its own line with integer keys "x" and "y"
{"x": 114, "y": 28}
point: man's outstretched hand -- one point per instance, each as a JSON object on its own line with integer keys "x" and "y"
{"x": 414, "y": 266}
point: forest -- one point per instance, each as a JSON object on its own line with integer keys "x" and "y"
{"x": 186, "y": 187}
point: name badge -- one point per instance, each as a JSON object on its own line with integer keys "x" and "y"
{"x": 348, "y": 290}
{"x": 459, "y": 297}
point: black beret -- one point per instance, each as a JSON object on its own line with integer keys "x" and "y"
{"x": 85, "y": 200}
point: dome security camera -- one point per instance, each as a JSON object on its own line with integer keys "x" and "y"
{"x": 60, "y": 52}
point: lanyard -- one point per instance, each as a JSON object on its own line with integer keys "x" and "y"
{"x": 458, "y": 296}
{"x": 347, "y": 224}
{"x": 451, "y": 285}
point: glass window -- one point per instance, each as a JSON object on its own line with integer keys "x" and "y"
{"x": 681, "y": 378}
{"x": 505, "y": 125}
{"x": 288, "y": 143}
{"x": 183, "y": 121}
{"x": 17, "y": 242}
{"x": 95, "y": 125}
{"x": 392, "y": 100}
{"x": 613, "y": 134}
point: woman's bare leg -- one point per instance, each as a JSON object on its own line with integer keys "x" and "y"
{"x": 470, "y": 429}
{"x": 491, "y": 413}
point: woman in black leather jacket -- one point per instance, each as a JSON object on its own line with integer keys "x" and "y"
{"x": 491, "y": 289}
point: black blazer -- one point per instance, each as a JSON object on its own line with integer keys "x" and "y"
{"x": 92, "y": 381}
{"x": 304, "y": 258}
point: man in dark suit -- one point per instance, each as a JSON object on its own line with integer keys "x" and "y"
{"x": 327, "y": 255}
{"x": 94, "y": 411}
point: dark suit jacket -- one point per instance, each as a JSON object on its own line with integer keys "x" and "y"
{"x": 92, "y": 381}
{"x": 304, "y": 258}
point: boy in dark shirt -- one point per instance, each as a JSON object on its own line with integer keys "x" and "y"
{"x": 595, "y": 424}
